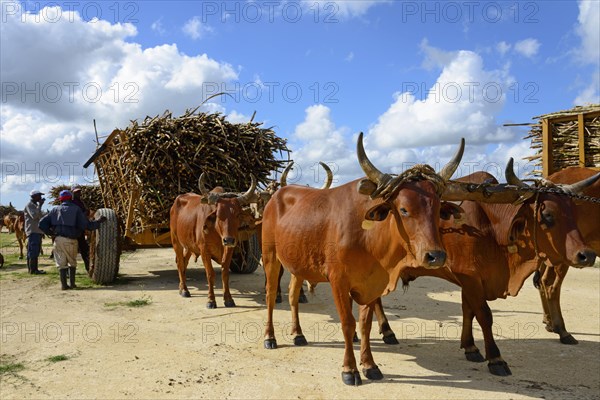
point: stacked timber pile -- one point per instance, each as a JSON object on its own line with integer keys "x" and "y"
{"x": 90, "y": 194}
{"x": 564, "y": 130}
{"x": 143, "y": 168}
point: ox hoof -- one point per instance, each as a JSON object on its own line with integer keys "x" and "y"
{"x": 351, "y": 378}
{"x": 229, "y": 303}
{"x": 499, "y": 368}
{"x": 185, "y": 294}
{"x": 300, "y": 340}
{"x": 390, "y": 339}
{"x": 568, "y": 340}
{"x": 355, "y": 339}
{"x": 302, "y": 299}
{"x": 211, "y": 304}
{"x": 278, "y": 299}
{"x": 474, "y": 356}
{"x": 270, "y": 344}
{"x": 373, "y": 374}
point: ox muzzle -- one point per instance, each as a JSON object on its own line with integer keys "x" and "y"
{"x": 585, "y": 258}
{"x": 434, "y": 259}
{"x": 229, "y": 241}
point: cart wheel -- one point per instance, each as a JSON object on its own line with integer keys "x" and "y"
{"x": 106, "y": 251}
{"x": 246, "y": 258}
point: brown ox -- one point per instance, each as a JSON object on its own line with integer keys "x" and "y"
{"x": 587, "y": 215}
{"x": 8, "y": 222}
{"x": 207, "y": 230}
{"x": 494, "y": 249}
{"x": 318, "y": 236}
{"x": 283, "y": 182}
{"x": 18, "y": 226}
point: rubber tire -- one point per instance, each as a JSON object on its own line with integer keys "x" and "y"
{"x": 246, "y": 258}
{"x": 107, "y": 251}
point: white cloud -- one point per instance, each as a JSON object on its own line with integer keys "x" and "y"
{"x": 158, "y": 27}
{"x": 341, "y": 9}
{"x": 89, "y": 71}
{"x": 463, "y": 102}
{"x": 503, "y": 47}
{"x": 349, "y": 57}
{"x": 528, "y": 47}
{"x": 195, "y": 29}
{"x": 588, "y": 29}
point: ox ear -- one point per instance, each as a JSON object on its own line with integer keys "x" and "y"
{"x": 365, "y": 186}
{"x": 449, "y": 209}
{"x": 378, "y": 212}
{"x": 209, "y": 223}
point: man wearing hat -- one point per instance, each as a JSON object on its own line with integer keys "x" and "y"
{"x": 84, "y": 247}
{"x": 33, "y": 213}
{"x": 67, "y": 222}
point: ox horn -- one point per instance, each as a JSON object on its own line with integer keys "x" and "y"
{"x": 329, "y": 179}
{"x": 245, "y": 198}
{"x": 284, "y": 174}
{"x": 374, "y": 175}
{"x": 202, "y": 185}
{"x": 511, "y": 177}
{"x": 449, "y": 169}
{"x": 578, "y": 187}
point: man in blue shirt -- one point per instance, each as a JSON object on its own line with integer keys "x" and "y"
{"x": 67, "y": 222}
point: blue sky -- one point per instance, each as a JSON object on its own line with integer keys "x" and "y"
{"x": 414, "y": 76}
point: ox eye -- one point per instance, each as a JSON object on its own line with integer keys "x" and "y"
{"x": 404, "y": 212}
{"x": 548, "y": 219}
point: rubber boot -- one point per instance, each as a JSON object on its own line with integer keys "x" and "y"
{"x": 34, "y": 267}
{"x": 72, "y": 277}
{"x": 63, "y": 279}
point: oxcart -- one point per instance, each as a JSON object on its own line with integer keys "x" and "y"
{"x": 137, "y": 213}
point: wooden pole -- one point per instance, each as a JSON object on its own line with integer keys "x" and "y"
{"x": 581, "y": 139}
{"x": 547, "y": 158}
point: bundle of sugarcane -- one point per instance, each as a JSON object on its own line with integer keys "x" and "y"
{"x": 90, "y": 195}
{"x": 565, "y": 139}
{"x": 161, "y": 157}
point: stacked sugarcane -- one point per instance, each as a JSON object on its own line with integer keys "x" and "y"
{"x": 90, "y": 195}
{"x": 155, "y": 160}
{"x": 565, "y": 139}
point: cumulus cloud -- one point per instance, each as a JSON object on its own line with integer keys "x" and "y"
{"x": 341, "y": 9}
{"x": 90, "y": 70}
{"x": 528, "y": 47}
{"x": 463, "y": 102}
{"x": 195, "y": 29}
{"x": 158, "y": 27}
{"x": 503, "y": 47}
{"x": 588, "y": 53}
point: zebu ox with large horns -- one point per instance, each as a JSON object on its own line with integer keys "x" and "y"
{"x": 494, "y": 248}
{"x": 207, "y": 225}
{"x": 318, "y": 236}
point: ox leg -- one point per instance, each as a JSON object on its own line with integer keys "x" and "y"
{"x": 227, "y": 298}
{"x": 350, "y": 374}
{"x": 182, "y": 263}
{"x": 20, "y": 241}
{"x": 279, "y": 298}
{"x": 370, "y": 369}
{"x": 210, "y": 278}
{"x": 389, "y": 337}
{"x": 467, "y": 341}
{"x": 272, "y": 268}
{"x": 542, "y": 270}
{"x": 294, "y": 296}
{"x": 473, "y": 294}
{"x": 551, "y": 284}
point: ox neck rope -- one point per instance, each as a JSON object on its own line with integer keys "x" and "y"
{"x": 419, "y": 172}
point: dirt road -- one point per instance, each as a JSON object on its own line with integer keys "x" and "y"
{"x": 95, "y": 343}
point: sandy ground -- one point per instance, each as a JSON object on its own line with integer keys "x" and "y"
{"x": 176, "y": 348}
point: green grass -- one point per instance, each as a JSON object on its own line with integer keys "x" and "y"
{"x": 60, "y": 357}
{"x": 7, "y": 367}
{"x": 142, "y": 302}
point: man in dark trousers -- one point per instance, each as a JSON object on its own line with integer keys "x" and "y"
{"x": 84, "y": 247}
{"x": 33, "y": 213}
{"x": 67, "y": 222}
